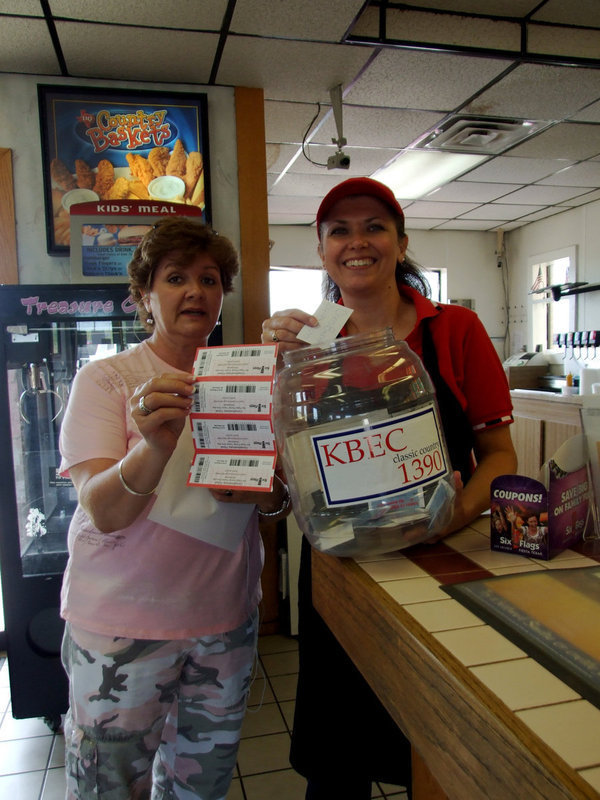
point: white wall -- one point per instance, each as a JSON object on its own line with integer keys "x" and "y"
{"x": 20, "y": 131}
{"x": 469, "y": 258}
{"x": 579, "y": 227}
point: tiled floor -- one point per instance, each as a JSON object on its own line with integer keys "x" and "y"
{"x": 32, "y": 757}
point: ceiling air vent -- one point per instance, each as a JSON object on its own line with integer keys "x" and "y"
{"x": 485, "y": 135}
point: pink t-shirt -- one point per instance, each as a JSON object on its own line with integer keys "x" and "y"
{"x": 146, "y": 581}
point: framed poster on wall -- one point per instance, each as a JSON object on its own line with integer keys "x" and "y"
{"x": 114, "y": 144}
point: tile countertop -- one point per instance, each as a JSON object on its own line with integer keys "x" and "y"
{"x": 487, "y": 720}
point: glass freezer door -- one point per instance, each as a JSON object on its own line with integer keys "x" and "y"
{"x": 41, "y": 364}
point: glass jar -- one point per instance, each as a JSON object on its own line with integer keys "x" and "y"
{"x": 359, "y": 432}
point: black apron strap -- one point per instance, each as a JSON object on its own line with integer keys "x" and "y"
{"x": 457, "y": 428}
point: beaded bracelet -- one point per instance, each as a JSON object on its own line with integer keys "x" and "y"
{"x": 128, "y": 488}
{"x": 284, "y": 506}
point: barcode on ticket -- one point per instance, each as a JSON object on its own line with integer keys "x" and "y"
{"x": 233, "y": 470}
{"x": 253, "y": 360}
{"x": 217, "y": 434}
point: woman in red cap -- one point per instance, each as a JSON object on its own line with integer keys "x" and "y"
{"x": 343, "y": 738}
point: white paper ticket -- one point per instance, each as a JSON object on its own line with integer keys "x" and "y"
{"x": 249, "y": 360}
{"x": 232, "y": 432}
{"x": 229, "y": 434}
{"x": 233, "y": 470}
{"x": 232, "y": 397}
{"x": 332, "y": 318}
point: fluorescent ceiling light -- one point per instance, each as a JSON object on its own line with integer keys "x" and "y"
{"x": 415, "y": 173}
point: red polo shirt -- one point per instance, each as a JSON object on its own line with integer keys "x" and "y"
{"x": 467, "y": 359}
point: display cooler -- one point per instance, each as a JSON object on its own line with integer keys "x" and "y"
{"x": 48, "y": 332}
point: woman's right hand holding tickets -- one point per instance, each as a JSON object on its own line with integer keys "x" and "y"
{"x": 284, "y": 326}
{"x": 160, "y": 408}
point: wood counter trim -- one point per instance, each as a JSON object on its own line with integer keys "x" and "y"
{"x": 436, "y": 700}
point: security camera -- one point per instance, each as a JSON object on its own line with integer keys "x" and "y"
{"x": 338, "y": 161}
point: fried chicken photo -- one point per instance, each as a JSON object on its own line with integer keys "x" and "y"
{"x": 61, "y": 175}
{"x": 57, "y": 196}
{"x": 137, "y": 190}
{"x": 193, "y": 170}
{"x": 119, "y": 190}
{"x": 140, "y": 168}
{"x": 159, "y": 158}
{"x": 198, "y": 198}
{"x": 62, "y": 228}
{"x": 177, "y": 161}
{"x": 85, "y": 176}
{"x": 105, "y": 177}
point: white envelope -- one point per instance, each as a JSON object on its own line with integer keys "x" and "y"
{"x": 192, "y": 509}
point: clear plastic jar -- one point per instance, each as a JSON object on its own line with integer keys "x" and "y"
{"x": 360, "y": 436}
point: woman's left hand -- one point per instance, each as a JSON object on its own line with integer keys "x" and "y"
{"x": 458, "y": 514}
{"x": 267, "y": 502}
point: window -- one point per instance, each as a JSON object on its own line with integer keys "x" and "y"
{"x": 295, "y": 287}
{"x": 302, "y": 287}
{"x": 550, "y": 317}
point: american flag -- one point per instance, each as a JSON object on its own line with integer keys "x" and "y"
{"x": 538, "y": 282}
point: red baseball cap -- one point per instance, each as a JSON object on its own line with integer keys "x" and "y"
{"x": 358, "y": 186}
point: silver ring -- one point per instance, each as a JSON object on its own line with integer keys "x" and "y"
{"x": 274, "y": 337}
{"x": 143, "y": 407}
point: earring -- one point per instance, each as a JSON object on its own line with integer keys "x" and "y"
{"x": 150, "y": 320}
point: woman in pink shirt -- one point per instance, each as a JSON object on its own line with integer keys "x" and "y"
{"x": 161, "y": 626}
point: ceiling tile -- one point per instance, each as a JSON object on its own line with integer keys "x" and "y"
{"x": 586, "y": 174}
{"x": 302, "y": 71}
{"x": 363, "y": 160}
{"x": 405, "y": 24}
{"x": 581, "y": 42}
{"x": 539, "y": 91}
{"x": 589, "y": 197}
{"x": 422, "y": 224}
{"x": 590, "y": 113}
{"x": 158, "y": 55}
{"x": 583, "y": 12}
{"x": 552, "y": 195}
{"x": 505, "y": 169}
{"x": 422, "y": 80}
{"x": 296, "y": 205}
{"x": 543, "y": 214}
{"x": 501, "y": 211}
{"x": 288, "y": 121}
{"x": 503, "y": 8}
{"x": 307, "y": 186}
{"x": 176, "y": 14}
{"x": 471, "y": 225}
{"x": 26, "y": 46}
{"x": 471, "y": 191}
{"x": 303, "y": 19}
{"x": 21, "y": 7}
{"x": 379, "y": 127}
{"x": 289, "y": 218}
{"x": 566, "y": 140}
{"x": 279, "y": 156}
{"x": 424, "y": 208}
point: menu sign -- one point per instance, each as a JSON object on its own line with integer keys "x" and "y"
{"x": 101, "y": 145}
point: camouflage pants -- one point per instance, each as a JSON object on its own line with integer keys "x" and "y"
{"x": 155, "y": 719}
